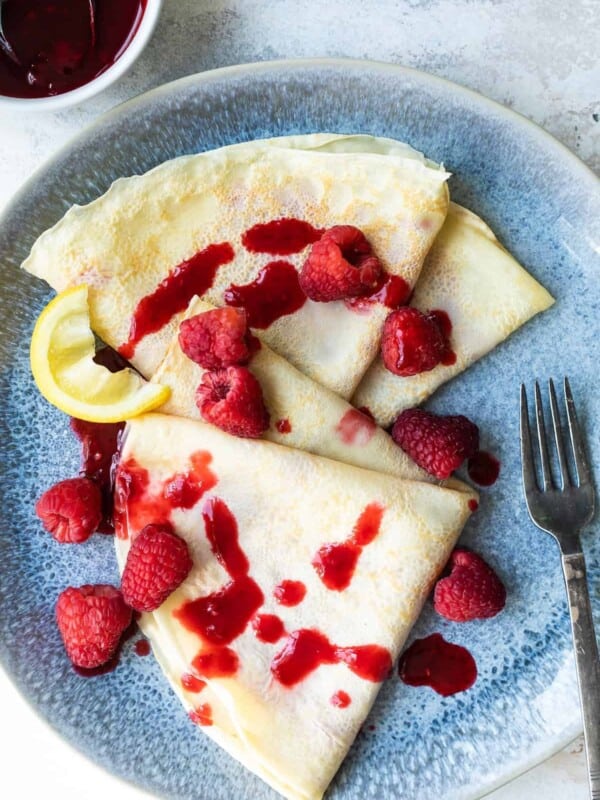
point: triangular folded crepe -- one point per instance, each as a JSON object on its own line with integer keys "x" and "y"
{"x": 303, "y": 413}
{"x": 186, "y": 219}
{"x": 254, "y": 515}
{"x": 487, "y": 296}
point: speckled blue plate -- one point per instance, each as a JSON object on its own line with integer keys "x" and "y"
{"x": 545, "y": 206}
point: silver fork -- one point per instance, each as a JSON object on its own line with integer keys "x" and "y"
{"x": 563, "y": 511}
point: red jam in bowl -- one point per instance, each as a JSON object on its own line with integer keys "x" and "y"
{"x": 57, "y": 45}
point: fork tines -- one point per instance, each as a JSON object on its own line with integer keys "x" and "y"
{"x": 576, "y": 441}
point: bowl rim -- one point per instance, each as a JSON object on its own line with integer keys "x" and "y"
{"x": 127, "y": 58}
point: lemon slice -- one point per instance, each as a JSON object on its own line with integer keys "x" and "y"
{"x": 62, "y": 352}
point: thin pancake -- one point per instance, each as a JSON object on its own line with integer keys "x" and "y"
{"x": 124, "y": 244}
{"x": 485, "y": 292}
{"x": 285, "y": 505}
{"x": 318, "y": 420}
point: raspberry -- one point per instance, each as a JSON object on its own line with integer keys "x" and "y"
{"x": 157, "y": 563}
{"x": 340, "y": 265}
{"x": 216, "y": 339}
{"x": 91, "y": 621}
{"x": 437, "y": 444}
{"x": 71, "y": 510}
{"x": 412, "y": 342}
{"x": 471, "y": 591}
{"x": 232, "y": 400}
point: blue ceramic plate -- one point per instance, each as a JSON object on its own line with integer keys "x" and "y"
{"x": 543, "y": 203}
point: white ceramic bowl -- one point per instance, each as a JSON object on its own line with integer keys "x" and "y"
{"x": 96, "y": 85}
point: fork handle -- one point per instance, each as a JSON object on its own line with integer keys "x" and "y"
{"x": 586, "y": 661}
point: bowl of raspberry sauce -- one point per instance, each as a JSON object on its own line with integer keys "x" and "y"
{"x": 56, "y": 53}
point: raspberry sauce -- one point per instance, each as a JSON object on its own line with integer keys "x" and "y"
{"x": 392, "y": 291}
{"x": 268, "y": 627}
{"x": 445, "y": 325}
{"x": 172, "y": 295}
{"x": 202, "y": 715}
{"x": 273, "y": 294}
{"x": 473, "y": 505}
{"x": 284, "y": 426}
{"x": 59, "y": 46}
{"x": 483, "y": 468}
{"x": 220, "y": 617}
{"x": 335, "y": 563}
{"x": 142, "y": 647}
{"x": 136, "y": 505}
{"x": 184, "y": 490}
{"x": 446, "y": 667}
{"x": 280, "y": 237}
{"x": 306, "y": 649}
{"x": 340, "y": 699}
{"x": 219, "y": 662}
{"x": 100, "y": 444}
{"x": 191, "y": 683}
{"x": 356, "y": 428}
{"x": 289, "y": 593}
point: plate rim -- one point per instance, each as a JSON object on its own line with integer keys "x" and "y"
{"x": 351, "y": 65}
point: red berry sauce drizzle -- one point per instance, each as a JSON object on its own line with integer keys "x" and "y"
{"x": 173, "y": 294}
{"x": 340, "y": 699}
{"x": 58, "y": 46}
{"x": 391, "y": 291}
{"x": 268, "y": 627}
{"x": 280, "y": 237}
{"x": 100, "y": 444}
{"x": 356, "y": 428}
{"x": 447, "y": 668}
{"x": 284, "y": 426}
{"x": 445, "y": 325}
{"x": 222, "y": 616}
{"x": 136, "y": 506}
{"x": 289, "y": 593}
{"x": 202, "y": 715}
{"x": 142, "y": 647}
{"x": 335, "y": 563}
{"x": 191, "y": 683}
{"x": 273, "y": 294}
{"x": 483, "y": 468}
{"x": 307, "y": 649}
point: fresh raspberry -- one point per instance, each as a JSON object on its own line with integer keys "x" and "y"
{"x": 471, "y": 591}
{"x": 340, "y": 265}
{"x": 437, "y": 444}
{"x": 216, "y": 338}
{"x": 91, "y": 621}
{"x": 157, "y": 563}
{"x": 71, "y": 510}
{"x": 412, "y": 342}
{"x": 232, "y": 400}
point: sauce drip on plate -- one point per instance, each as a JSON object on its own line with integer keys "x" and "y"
{"x": 448, "y": 668}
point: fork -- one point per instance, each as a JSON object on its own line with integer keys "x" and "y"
{"x": 562, "y": 512}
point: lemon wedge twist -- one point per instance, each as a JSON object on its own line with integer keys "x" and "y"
{"x": 62, "y": 362}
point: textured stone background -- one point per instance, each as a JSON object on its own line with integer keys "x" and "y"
{"x": 539, "y": 57}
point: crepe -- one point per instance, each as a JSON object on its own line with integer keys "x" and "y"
{"x": 303, "y": 413}
{"x": 267, "y": 511}
{"x": 485, "y": 292}
{"x": 189, "y": 214}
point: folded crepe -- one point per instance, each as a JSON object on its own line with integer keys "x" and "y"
{"x": 303, "y": 413}
{"x": 283, "y": 688}
{"x": 153, "y": 241}
{"x": 484, "y": 291}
